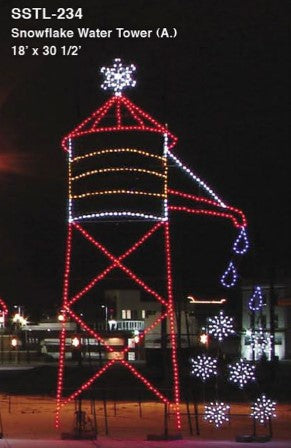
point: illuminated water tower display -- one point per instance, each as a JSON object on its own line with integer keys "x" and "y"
{"x": 118, "y": 164}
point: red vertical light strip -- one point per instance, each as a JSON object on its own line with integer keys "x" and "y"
{"x": 60, "y": 378}
{"x": 172, "y": 326}
{"x": 118, "y": 112}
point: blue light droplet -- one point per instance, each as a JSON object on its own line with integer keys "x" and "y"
{"x": 256, "y": 301}
{"x": 229, "y": 278}
{"x": 241, "y": 243}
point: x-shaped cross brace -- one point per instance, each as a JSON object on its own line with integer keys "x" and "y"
{"x": 117, "y": 262}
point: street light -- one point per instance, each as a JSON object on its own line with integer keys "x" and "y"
{"x": 136, "y": 336}
{"x": 204, "y": 338}
{"x": 106, "y": 315}
{"x": 61, "y": 317}
{"x": 14, "y": 342}
{"x": 19, "y": 319}
{"x": 15, "y": 347}
{"x": 76, "y": 342}
{"x": 76, "y": 351}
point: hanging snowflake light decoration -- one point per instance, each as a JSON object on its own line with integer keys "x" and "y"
{"x": 263, "y": 409}
{"x": 261, "y": 342}
{"x": 241, "y": 373}
{"x": 118, "y": 76}
{"x": 217, "y": 413}
{"x": 220, "y": 326}
{"x": 204, "y": 367}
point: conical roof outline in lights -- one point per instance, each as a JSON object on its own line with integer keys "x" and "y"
{"x": 119, "y": 111}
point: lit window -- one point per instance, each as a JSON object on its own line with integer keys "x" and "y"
{"x": 131, "y": 356}
{"x": 126, "y": 314}
{"x": 143, "y": 314}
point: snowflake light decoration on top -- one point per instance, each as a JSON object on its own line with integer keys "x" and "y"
{"x": 118, "y": 76}
{"x": 204, "y": 367}
{"x": 260, "y": 342}
{"x": 217, "y": 413}
{"x": 263, "y": 409}
{"x": 220, "y": 326}
{"x": 241, "y": 373}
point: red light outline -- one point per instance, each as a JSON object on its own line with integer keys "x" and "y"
{"x": 137, "y": 114}
{"x": 145, "y": 123}
{"x": 116, "y": 262}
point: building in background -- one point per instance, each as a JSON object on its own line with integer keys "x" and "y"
{"x": 261, "y": 321}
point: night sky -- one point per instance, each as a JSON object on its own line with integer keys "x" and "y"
{"x": 221, "y": 86}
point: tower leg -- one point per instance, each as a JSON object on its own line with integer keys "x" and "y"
{"x": 62, "y": 350}
{"x": 176, "y": 388}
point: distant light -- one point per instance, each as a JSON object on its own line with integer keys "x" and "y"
{"x": 193, "y": 299}
{"x": 76, "y": 342}
{"x": 261, "y": 341}
{"x": 14, "y": 342}
{"x": 204, "y": 338}
{"x": 19, "y": 319}
{"x": 16, "y": 317}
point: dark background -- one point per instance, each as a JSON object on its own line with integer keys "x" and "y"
{"x": 221, "y": 86}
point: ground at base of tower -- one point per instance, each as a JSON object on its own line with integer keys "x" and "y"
{"x": 114, "y": 443}
{"x": 28, "y": 422}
